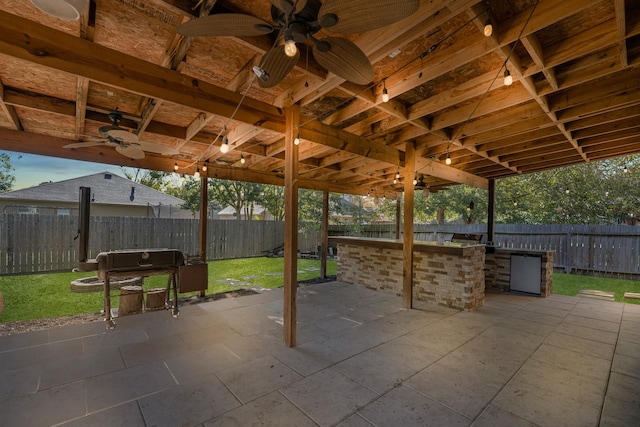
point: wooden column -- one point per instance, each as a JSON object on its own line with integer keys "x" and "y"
{"x": 398, "y": 215}
{"x": 407, "y": 264}
{"x": 290, "y": 225}
{"x": 491, "y": 210}
{"x": 325, "y": 235}
{"x": 202, "y": 229}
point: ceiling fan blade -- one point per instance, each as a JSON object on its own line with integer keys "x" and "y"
{"x": 344, "y": 59}
{"x": 225, "y": 24}
{"x": 288, "y": 5}
{"x": 130, "y": 151}
{"x": 154, "y": 147}
{"x": 358, "y": 16}
{"x": 84, "y": 144}
{"x": 276, "y": 66}
{"x": 122, "y": 135}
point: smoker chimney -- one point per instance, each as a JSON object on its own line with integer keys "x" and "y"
{"x": 83, "y": 231}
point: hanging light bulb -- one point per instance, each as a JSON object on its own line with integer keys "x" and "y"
{"x": 175, "y": 167}
{"x": 385, "y": 92}
{"x": 398, "y": 174}
{"x": 290, "y": 48}
{"x": 197, "y": 173}
{"x": 625, "y": 170}
{"x": 204, "y": 167}
{"x": 488, "y": 28}
{"x": 296, "y": 141}
{"x": 242, "y": 160}
{"x": 508, "y": 79}
{"x": 415, "y": 179}
{"x": 567, "y": 190}
{"x": 447, "y": 161}
{"x": 224, "y": 148}
{"x": 395, "y": 180}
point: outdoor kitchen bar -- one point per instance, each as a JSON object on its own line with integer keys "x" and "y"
{"x": 449, "y": 274}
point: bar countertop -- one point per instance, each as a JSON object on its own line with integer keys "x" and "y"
{"x": 418, "y": 245}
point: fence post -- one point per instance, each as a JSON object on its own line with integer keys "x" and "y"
{"x": 567, "y": 258}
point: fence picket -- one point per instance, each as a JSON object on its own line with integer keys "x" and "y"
{"x": 32, "y": 243}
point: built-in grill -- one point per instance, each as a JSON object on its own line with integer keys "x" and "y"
{"x": 125, "y": 263}
{"x": 473, "y": 239}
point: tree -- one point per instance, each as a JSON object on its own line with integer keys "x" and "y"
{"x": 7, "y": 180}
{"x": 242, "y": 196}
{"x": 272, "y": 198}
{"x": 150, "y": 178}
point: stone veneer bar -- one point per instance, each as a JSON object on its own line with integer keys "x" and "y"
{"x": 448, "y": 274}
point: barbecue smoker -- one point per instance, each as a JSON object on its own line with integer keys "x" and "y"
{"x": 128, "y": 263}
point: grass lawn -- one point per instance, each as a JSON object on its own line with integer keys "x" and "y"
{"x": 48, "y": 295}
{"x": 40, "y": 296}
{"x": 570, "y": 284}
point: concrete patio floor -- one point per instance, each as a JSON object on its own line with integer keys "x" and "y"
{"x": 361, "y": 360}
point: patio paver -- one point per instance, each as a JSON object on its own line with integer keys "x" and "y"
{"x": 361, "y": 360}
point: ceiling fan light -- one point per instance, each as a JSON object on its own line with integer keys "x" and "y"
{"x": 328, "y": 20}
{"x": 290, "y": 48}
{"x": 508, "y": 78}
{"x": 488, "y": 28}
{"x": 68, "y": 10}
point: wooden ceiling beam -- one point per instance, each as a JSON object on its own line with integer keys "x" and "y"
{"x": 9, "y": 111}
{"x": 36, "y": 43}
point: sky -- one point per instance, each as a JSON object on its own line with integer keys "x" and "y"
{"x": 31, "y": 169}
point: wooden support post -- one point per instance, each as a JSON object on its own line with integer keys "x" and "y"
{"x": 491, "y": 208}
{"x": 398, "y": 215}
{"x": 325, "y": 235}
{"x": 407, "y": 264}
{"x": 290, "y": 225}
{"x": 204, "y": 209}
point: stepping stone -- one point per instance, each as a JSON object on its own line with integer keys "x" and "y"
{"x": 274, "y": 274}
{"x": 250, "y": 277}
{"x": 632, "y": 295}
{"x": 592, "y": 293}
{"x": 312, "y": 268}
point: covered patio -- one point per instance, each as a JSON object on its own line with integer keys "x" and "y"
{"x": 361, "y": 360}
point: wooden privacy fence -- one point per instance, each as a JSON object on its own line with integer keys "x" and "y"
{"x": 607, "y": 250}
{"x": 43, "y": 243}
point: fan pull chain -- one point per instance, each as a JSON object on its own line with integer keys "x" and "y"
{"x": 306, "y": 77}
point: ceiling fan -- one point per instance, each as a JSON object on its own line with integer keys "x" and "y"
{"x": 299, "y": 20}
{"x": 124, "y": 142}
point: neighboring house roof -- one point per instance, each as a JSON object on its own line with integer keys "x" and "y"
{"x": 106, "y": 188}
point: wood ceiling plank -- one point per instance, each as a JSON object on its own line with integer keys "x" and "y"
{"x": 621, "y": 19}
{"x": 33, "y": 42}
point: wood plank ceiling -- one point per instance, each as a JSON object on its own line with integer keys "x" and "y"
{"x": 575, "y": 96}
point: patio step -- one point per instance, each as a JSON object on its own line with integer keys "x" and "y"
{"x": 593, "y": 293}
{"x": 632, "y": 295}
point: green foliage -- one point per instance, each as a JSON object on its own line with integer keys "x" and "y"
{"x": 591, "y": 193}
{"x": 7, "y": 179}
{"x": 273, "y": 201}
{"x": 242, "y": 196}
{"x": 150, "y": 178}
{"x": 40, "y": 296}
